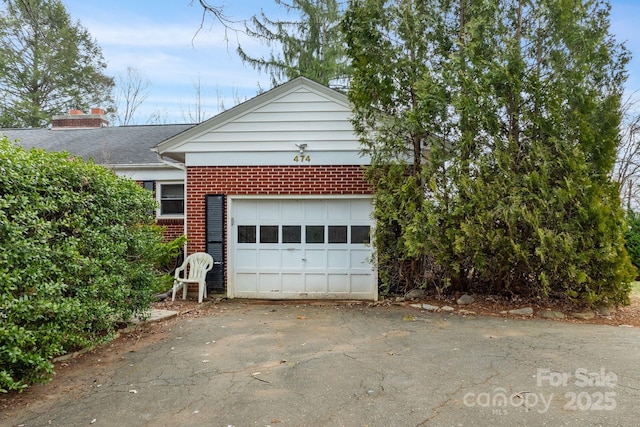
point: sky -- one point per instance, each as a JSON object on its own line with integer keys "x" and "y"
{"x": 176, "y": 51}
{"x": 171, "y": 46}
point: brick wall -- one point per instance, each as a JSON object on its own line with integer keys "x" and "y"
{"x": 263, "y": 180}
{"x": 174, "y": 227}
{"x": 85, "y": 122}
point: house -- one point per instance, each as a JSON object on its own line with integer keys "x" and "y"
{"x": 273, "y": 189}
{"x": 124, "y": 149}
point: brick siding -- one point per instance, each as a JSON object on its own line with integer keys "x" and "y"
{"x": 263, "y": 180}
{"x": 79, "y": 122}
{"x": 174, "y": 227}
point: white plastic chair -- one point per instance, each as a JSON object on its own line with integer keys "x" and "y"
{"x": 195, "y": 268}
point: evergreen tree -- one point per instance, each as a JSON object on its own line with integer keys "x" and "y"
{"x": 515, "y": 105}
{"x": 48, "y": 64}
{"x": 311, "y": 44}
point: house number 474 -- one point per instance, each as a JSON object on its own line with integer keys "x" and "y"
{"x": 302, "y": 158}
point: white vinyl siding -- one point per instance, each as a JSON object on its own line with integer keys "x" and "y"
{"x": 270, "y": 134}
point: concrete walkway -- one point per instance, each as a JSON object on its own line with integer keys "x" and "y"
{"x": 156, "y": 315}
{"x": 288, "y": 365}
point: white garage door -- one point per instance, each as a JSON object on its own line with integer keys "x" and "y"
{"x": 301, "y": 248}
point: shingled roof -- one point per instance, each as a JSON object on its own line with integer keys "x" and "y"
{"x": 118, "y": 145}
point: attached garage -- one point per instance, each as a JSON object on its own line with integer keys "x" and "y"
{"x": 275, "y": 192}
{"x": 301, "y": 248}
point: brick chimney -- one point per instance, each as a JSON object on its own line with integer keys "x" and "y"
{"x": 76, "y": 119}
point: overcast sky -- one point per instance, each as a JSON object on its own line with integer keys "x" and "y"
{"x": 165, "y": 42}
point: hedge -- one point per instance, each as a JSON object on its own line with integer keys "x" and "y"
{"x": 80, "y": 255}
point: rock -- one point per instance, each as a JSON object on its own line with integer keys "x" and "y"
{"x": 526, "y": 311}
{"x": 399, "y": 299}
{"x": 465, "y": 299}
{"x": 415, "y": 293}
{"x": 603, "y": 310}
{"x": 446, "y": 308}
{"x": 584, "y": 315}
{"x": 550, "y": 314}
{"x": 415, "y": 305}
{"x": 430, "y": 307}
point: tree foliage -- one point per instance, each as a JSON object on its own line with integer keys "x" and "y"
{"x": 311, "y": 43}
{"x": 48, "y": 64}
{"x": 80, "y": 254}
{"x": 493, "y": 129}
{"x": 632, "y": 238}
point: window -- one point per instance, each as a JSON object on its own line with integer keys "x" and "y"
{"x": 246, "y": 234}
{"x": 314, "y": 233}
{"x": 360, "y": 234}
{"x": 171, "y": 199}
{"x": 291, "y": 234}
{"x": 268, "y": 234}
{"x": 337, "y": 234}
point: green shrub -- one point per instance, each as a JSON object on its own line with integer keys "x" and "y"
{"x": 632, "y": 238}
{"x": 80, "y": 255}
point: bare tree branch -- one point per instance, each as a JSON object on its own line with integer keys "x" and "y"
{"x": 218, "y": 14}
{"x": 133, "y": 90}
{"x": 627, "y": 168}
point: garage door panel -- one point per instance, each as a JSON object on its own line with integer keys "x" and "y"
{"x": 315, "y": 210}
{"x": 269, "y": 282}
{"x": 301, "y": 248}
{"x": 315, "y": 283}
{"x": 360, "y": 211}
{"x": 291, "y": 282}
{"x": 338, "y": 258}
{"x": 337, "y": 210}
{"x": 315, "y": 258}
{"x": 246, "y": 258}
{"x": 360, "y": 259}
{"x": 292, "y": 259}
{"x": 269, "y": 210}
{"x": 269, "y": 259}
{"x": 360, "y": 283}
{"x": 246, "y": 282}
{"x": 248, "y": 213}
{"x": 292, "y": 211}
{"x": 338, "y": 283}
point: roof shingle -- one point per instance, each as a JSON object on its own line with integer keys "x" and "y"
{"x": 118, "y": 145}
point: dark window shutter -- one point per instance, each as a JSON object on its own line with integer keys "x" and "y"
{"x": 215, "y": 240}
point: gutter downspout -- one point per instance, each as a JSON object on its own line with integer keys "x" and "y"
{"x": 182, "y": 167}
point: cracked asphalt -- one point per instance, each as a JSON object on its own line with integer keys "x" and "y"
{"x": 340, "y": 365}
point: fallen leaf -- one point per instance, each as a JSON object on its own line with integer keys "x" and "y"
{"x": 301, "y": 317}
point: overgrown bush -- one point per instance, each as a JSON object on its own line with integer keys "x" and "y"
{"x": 491, "y": 153}
{"x": 632, "y": 238}
{"x": 80, "y": 254}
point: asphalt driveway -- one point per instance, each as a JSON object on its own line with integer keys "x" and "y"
{"x": 299, "y": 365}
